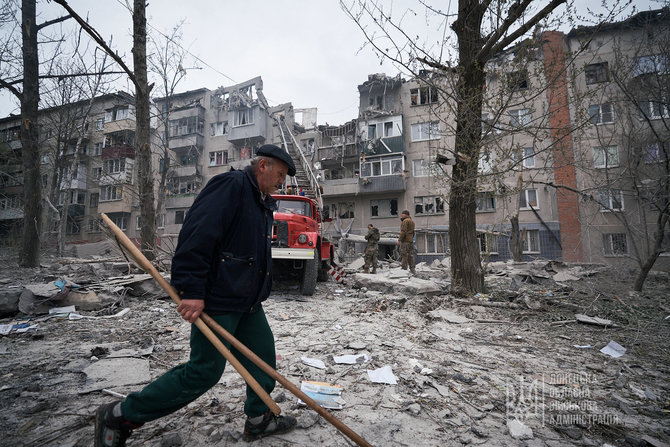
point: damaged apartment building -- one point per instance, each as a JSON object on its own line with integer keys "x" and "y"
{"x": 565, "y": 152}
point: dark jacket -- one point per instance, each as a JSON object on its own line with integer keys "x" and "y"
{"x": 223, "y": 253}
{"x": 372, "y": 237}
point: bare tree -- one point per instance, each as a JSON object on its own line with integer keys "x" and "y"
{"x": 29, "y": 97}
{"x": 142, "y": 112}
{"x": 483, "y": 29}
{"x": 166, "y": 61}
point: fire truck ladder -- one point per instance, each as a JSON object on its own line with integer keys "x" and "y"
{"x": 304, "y": 176}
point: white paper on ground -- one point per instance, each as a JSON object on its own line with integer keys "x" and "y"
{"x": 351, "y": 359}
{"x": 382, "y": 375}
{"x": 313, "y": 362}
{"x": 613, "y": 349}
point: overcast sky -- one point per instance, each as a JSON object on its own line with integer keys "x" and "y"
{"x": 308, "y": 52}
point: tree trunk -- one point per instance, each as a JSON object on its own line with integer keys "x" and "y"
{"x": 143, "y": 131}
{"x": 466, "y": 269}
{"x": 515, "y": 240}
{"x": 32, "y": 196}
{"x": 645, "y": 268}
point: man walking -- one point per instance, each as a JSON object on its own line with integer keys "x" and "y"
{"x": 406, "y": 241}
{"x": 222, "y": 265}
{"x": 372, "y": 249}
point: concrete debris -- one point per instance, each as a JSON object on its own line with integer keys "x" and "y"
{"x": 518, "y": 430}
{"x": 456, "y": 365}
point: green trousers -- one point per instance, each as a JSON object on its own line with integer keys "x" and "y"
{"x": 186, "y": 382}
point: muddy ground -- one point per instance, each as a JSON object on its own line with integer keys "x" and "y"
{"x": 507, "y": 368}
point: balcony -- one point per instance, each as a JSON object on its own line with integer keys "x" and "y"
{"x": 185, "y": 171}
{"x": 118, "y": 151}
{"x": 11, "y": 214}
{"x": 115, "y": 206}
{"x": 119, "y": 125}
{"x": 338, "y": 152}
{"x": 254, "y": 131}
{"x": 179, "y": 200}
{"x": 189, "y": 140}
{"x": 340, "y": 187}
{"x": 383, "y": 183}
{"x": 384, "y": 146}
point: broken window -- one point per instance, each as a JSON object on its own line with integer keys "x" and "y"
{"x": 383, "y": 166}
{"x": 423, "y": 95}
{"x": 486, "y": 201}
{"x": 388, "y": 129}
{"x": 218, "y": 158}
{"x": 488, "y": 243}
{"x": 114, "y": 165}
{"x": 384, "y": 208}
{"x": 220, "y": 128}
{"x": 597, "y": 73}
{"x": 186, "y": 126}
{"x": 179, "y": 217}
{"x": 424, "y": 205}
{"x": 518, "y": 80}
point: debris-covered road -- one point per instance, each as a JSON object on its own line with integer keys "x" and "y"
{"x": 519, "y": 365}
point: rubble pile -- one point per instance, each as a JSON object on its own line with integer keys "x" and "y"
{"x": 550, "y": 354}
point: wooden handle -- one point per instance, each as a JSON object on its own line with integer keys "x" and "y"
{"x": 148, "y": 267}
{"x": 248, "y": 353}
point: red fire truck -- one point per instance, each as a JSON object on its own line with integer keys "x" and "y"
{"x": 298, "y": 245}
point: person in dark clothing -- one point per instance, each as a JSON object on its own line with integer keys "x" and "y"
{"x": 372, "y": 249}
{"x": 406, "y": 242}
{"x": 223, "y": 266}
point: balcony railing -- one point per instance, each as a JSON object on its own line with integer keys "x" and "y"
{"x": 338, "y": 152}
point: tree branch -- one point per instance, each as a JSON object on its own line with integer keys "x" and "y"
{"x": 94, "y": 34}
{"x": 52, "y": 22}
{"x": 10, "y": 87}
{"x": 491, "y": 47}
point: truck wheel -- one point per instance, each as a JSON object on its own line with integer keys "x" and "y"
{"x": 309, "y": 271}
{"x": 322, "y": 273}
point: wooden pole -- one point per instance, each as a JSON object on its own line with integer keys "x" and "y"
{"x": 145, "y": 265}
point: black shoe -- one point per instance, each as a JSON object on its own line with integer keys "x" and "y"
{"x": 110, "y": 430}
{"x": 270, "y": 425}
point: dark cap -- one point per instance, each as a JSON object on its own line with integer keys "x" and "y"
{"x": 270, "y": 150}
{"x": 405, "y": 212}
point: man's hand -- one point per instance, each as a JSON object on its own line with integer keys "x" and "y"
{"x": 190, "y": 309}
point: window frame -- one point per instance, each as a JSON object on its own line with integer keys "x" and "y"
{"x": 435, "y": 201}
{"x": 378, "y": 202}
{"x": 597, "y": 116}
{"x": 520, "y": 117}
{"x": 425, "y": 131}
{"x": 527, "y": 247}
{"x": 597, "y": 73}
{"x": 607, "y": 200}
{"x": 609, "y": 244}
{"x": 525, "y": 204}
{"x": 486, "y": 198}
{"x": 605, "y": 151}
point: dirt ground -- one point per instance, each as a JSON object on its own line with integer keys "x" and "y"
{"x": 511, "y": 367}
